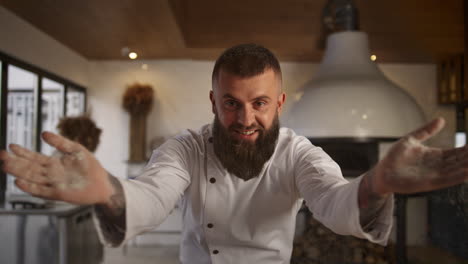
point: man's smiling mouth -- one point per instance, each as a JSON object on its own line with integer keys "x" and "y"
{"x": 248, "y": 132}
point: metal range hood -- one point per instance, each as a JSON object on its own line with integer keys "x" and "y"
{"x": 350, "y": 97}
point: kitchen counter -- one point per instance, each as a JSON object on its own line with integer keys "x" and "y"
{"x": 60, "y": 210}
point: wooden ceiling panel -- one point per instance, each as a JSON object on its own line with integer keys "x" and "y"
{"x": 399, "y": 30}
{"x": 419, "y": 30}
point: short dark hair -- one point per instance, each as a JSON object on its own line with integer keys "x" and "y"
{"x": 246, "y": 60}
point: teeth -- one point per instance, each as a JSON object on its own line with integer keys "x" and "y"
{"x": 248, "y": 132}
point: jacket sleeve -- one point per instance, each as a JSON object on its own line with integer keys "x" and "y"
{"x": 332, "y": 199}
{"x": 152, "y": 196}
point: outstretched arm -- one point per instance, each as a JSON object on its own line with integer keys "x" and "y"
{"x": 73, "y": 176}
{"x": 411, "y": 167}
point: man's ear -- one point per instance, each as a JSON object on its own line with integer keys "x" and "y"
{"x": 213, "y": 105}
{"x": 281, "y": 100}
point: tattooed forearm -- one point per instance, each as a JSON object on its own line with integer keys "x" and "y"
{"x": 112, "y": 214}
{"x": 370, "y": 203}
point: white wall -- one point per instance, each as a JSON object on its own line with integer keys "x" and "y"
{"x": 25, "y": 42}
{"x": 181, "y": 96}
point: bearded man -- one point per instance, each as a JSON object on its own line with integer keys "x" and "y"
{"x": 241, "y": 180}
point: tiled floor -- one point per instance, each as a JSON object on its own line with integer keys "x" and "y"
{"x": 142, "y": 255}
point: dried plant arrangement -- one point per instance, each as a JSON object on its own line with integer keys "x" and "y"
{"x": 138, "y": 101}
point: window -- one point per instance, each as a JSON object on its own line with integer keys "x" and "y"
{"x": 76, "y": 99}
{"x": 21, "y": 105}
{"x": 52, "y": 109}
{"x": 21, "y": 112}
{"x": 27, "y": 91}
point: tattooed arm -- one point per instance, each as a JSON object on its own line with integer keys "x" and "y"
{"x": 370, "y": 202}
{"x": 112, "y": 214}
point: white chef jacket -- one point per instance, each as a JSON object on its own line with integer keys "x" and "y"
{"x": 229, "y": 220}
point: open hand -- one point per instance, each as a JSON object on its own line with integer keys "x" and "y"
{"x": 411, "y": 167}
{"x": 74, "y": 176}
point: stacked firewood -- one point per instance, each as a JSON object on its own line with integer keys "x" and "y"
{"x": 318, "y": 245}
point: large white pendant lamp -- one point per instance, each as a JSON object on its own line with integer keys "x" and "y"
{"x": 350, "y": 97}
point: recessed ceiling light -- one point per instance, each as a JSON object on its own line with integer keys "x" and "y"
{"x": 373, "y": 57}
{"x": 132, "y": 55}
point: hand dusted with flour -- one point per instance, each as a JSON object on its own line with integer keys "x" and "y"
{"x": 73, "y": 176}
{"x": 411, "y": 167}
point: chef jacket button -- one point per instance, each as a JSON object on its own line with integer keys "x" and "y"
{"x": 210, "y": 139}
{"x": 209, "y": 225}
{"x": 212, "y": 180}
{"x": 215, "y": 251}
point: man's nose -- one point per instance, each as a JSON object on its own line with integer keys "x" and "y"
{"x": 246, "y": 116}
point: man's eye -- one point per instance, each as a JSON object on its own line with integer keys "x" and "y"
{"x": 231, "y": 104}
{"x": 260, "y": 103}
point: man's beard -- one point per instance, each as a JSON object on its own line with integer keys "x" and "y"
{"x": 243, "y": 158}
